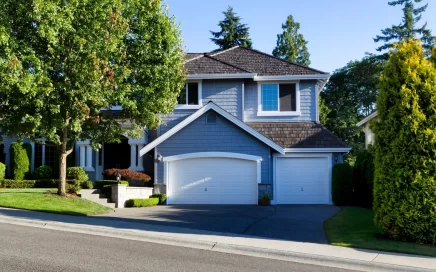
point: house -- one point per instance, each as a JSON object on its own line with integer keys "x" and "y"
{"x": 246, "y": 125}
{"x": 369, "y": 135}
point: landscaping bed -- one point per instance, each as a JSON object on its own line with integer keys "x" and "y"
{"x": 354, "y": 227}
{"x": 46, "y": 200}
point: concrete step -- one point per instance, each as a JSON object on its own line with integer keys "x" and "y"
{"x": 96, "y": 196}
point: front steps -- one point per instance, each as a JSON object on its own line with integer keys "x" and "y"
{"x": 96, "y": 196}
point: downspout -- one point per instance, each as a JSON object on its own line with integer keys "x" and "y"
{"x": 243, "y": 101}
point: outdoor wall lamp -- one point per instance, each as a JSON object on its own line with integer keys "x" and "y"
{"x": 159, "y": 158}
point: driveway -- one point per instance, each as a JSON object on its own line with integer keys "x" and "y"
{"x": 301, "y": 223}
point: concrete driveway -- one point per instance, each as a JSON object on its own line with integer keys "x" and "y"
{"x": 302, "y": 223}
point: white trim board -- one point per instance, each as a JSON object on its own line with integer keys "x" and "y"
{"x": 367, "y": 118}
{"x": 223, "y": 113}
{"x": 319, "y": 150}
{"x": 221, "y": 76}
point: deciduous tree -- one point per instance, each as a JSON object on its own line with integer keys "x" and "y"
{"x": 64, "y": 63}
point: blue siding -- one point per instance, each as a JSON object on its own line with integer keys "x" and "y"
{"x": 223, "y": 136}
{"x": 225, "y": 93}
{"x": 307, "y": 104}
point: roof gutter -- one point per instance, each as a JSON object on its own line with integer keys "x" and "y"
{"x": 318, "y": 150}
{"x": 292, "y": 77}
{"x": 221, "y": 76}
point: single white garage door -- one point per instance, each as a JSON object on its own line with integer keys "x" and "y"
{"x": 302, "y": 180}
{"x": 212, "y": 181}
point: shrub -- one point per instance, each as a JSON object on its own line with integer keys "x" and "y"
{"x": 342, "y": 184}
{"x": 43, "y": 172}
{"x": 46, "y": 183}
{"x": 363, "y": 177}
{"x": 19, "y": 161}
{"x": 142, "y": 202}
{"x": 107, "y": 190}
{"x": 405, "y": 137}
{"x": 17, "y": 184}
{"x": 72, "y": 186}
{"x": 77, "y": 173}
{"x": 87, "y": 184}
{"x": 162, "y": 198}
{"x": 127, "y": 174}
{"x": 2, "y": 170}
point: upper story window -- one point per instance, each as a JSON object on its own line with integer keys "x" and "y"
{"x": 190, "y": 96}
{"x": 278, "y": 99}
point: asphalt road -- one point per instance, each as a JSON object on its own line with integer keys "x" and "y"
{"x": 35, "y": 249}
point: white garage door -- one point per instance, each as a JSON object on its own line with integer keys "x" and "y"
{"x": 212, "y": 181}
{"x": 302, "y": 180}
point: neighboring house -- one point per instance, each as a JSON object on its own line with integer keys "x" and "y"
{"x": 246, "y": 125}
{"x": 369, "y": 135}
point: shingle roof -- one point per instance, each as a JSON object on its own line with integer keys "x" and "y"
{"x": 249, "y": 60}
{"x": 299, "y": 135}
{"x": 190, "y": 56}
{"x": 209, "y": 65}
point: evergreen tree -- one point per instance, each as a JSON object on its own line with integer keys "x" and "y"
{"x": 407, "y": 29}
{"x": 232, "y": 32}
{"x": 291, "y": 45}
{"x": 405, "y": 146}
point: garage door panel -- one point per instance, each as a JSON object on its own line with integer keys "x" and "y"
{"x": 213, "y": 181}
{"x": 302, "y": 180}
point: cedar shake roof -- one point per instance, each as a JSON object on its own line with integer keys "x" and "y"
{"x": 246, "y": 60}
{"x": 299, "y": 135}
{"x": 208, "y": 65}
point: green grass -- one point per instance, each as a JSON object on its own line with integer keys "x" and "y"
{"x": 46, "y": 200}
{"x": 354, "y": 227}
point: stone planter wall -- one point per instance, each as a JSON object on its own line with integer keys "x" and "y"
{"x": 121, "y": 193}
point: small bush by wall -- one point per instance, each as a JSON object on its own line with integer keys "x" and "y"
{"x": 77, "y": 173}
{"x": 19, "y": 161}
{"x": 142, "y": 202}
{"x": 2, "y": 170}
{"x": 342, "y": 184}
{"x": 363, "y": 177}
{"x": 72, "y": 186}
{"x": 87, "y": 184}
{"x": 43, "y": 172}
{"x": 162, "y": 198}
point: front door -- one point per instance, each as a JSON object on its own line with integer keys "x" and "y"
{"x": 117, "y": 155}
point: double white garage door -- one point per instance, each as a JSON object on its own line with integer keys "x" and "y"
{"x": 234, "y": 181}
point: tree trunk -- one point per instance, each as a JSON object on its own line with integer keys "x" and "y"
{"x": 62, "y": 171}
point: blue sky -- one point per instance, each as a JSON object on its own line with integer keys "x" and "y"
{"x": 337, "y": 30}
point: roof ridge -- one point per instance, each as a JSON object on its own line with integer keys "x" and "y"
{"x": 287, "y": 61}
{"x": 226, "y": 63}
{"x": 198, "y": 57}
{"x": 222, "y": 51}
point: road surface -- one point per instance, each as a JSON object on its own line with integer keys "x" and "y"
{"x": 36, "y": 249}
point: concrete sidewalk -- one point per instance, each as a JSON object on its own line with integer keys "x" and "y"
{"x": 317, "y": 254}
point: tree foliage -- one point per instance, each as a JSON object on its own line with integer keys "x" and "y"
{"x": 232, "y": 32}
{"x": 350, "y": 95}
{"x": 63, "y": 63}
{"x": 19, "y": 161}
{"x": 407, "y": 29}
{"x": 405, "y": 146}
{"x": 291, "y": 45}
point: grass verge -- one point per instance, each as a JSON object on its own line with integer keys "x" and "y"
{"x": 46, "y": 200}
{"x": 354, "y": 227}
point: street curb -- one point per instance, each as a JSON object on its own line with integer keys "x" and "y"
{"x": 139, "y": 235}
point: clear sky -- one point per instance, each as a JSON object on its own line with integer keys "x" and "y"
{"x": 337, "y": 30}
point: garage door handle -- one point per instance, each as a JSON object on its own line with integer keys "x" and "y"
{"x": 302, "y": 189}
{"x": 205, "y": 189}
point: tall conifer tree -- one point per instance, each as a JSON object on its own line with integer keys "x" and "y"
{"x": 232, "y": 32}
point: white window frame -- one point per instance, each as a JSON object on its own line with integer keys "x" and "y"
{"x": 260, "y": 112}
{"x": 200, "y": 102}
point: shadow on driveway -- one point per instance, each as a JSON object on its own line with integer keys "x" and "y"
{"x": 299, "y": 223}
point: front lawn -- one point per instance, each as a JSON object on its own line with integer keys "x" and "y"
{"x": 46, "y": 200}
{"x": 354, "y": 227}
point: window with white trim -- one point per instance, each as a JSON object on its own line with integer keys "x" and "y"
{"x": 279, "y": 99}
{"x": 190, "y": 95}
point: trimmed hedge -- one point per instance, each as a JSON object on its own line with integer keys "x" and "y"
{"x": 19, "y": 161}
{"x": 2, "y": 170}
{"x": 363, "y": 179}
{"x": 87, "y": 184}
{"x": 17, "y": 184}
{"x": 342, "y": 184}
{"x": 162, "y": 198}
{"x": 142, "y": 202}
{"x": 77, "y": 173}
{"x": 43, "y": 172}
{"x": 46, "y": 183}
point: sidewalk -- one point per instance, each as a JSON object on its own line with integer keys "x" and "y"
{"x": 317, "y": 254}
